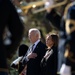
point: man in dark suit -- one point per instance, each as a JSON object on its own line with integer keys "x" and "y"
{"x": 35, "y": 52}
{"x": 9, "y": 19}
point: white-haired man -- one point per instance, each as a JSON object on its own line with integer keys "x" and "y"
{"x": 34, "y": 56}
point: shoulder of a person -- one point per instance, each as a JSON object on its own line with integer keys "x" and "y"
{"x": 40, "y": 42}
{"x": 43, "y": 45}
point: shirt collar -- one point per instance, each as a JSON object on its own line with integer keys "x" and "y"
{"x": 37, "y": 42}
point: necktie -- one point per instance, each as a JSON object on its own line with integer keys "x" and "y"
{"x": 33, "y": 47}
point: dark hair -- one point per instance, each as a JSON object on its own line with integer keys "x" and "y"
{"x": 23, "y": 49}
{"x": 55, "y": 39}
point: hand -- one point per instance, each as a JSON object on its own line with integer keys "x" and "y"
{"x": 32, "y": 55}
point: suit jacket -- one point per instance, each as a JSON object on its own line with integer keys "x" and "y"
{"x": 49, "y": 63}
{"x": 33, "y": 65}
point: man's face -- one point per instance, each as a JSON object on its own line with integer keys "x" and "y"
{"x": 32, "y": 37}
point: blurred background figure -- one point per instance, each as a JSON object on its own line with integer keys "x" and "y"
{"x": 9, "y": 20}
{"x": 22, "y": 51}
{"x": 17, "y": 63}
{"x": 50, "y": 59}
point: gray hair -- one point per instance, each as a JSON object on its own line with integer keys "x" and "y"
{"x": 36, "y": 31}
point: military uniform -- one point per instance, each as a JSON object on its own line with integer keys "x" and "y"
{"x": 70, "y": 42}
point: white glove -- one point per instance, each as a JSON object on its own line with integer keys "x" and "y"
{"x": 65, "y": 70}
{"x": 16, "y": 61}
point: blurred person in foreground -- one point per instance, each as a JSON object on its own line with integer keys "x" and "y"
{"x": 9, "y": 40}
{"x": 35, "y": 52}
{"x": 50, "y": 59}
{"x": 68, "y": 68}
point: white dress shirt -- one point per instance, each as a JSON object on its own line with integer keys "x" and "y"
{"x": 29, "y": 52}
{"x": 36, "y": 44}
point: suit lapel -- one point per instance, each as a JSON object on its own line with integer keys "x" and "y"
{"x": 37, "y": 46}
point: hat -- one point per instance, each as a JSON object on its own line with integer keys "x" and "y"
{"x": 70, "y": 18}
{"x": 23, "y": 49}
{"x": 71, "y": 13}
